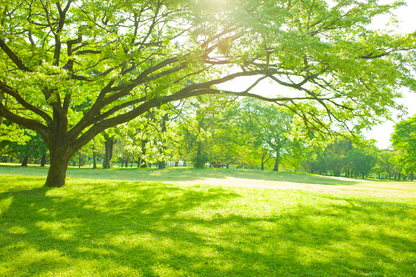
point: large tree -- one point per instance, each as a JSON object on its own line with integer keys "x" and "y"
{"x": 72, "y": 69}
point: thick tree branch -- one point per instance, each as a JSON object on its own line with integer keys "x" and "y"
{"x": 13, "y": 56}
{"x": 28, "y": 123}
{"x": 8, "y": 90}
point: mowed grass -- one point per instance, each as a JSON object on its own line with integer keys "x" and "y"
{"x": 96, "y": 227}
{"x": 179, "y": 174}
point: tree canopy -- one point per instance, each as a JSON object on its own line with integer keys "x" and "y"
{"x": 72, "y": 69}
{"x": 404, "y": 140}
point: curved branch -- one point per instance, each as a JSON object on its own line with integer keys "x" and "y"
{"x": 28, "y": 123}
{"x": 6, "y": 89}
{"x": 13, "y": 56}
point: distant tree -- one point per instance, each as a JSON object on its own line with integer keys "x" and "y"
{"x": 271, "y": 127}
{"x": 385, "y": 164}
{"x": 404, "y": 141}
{"x": 316, "y": 161}
{"x": 337, "y": 157}
{"x": 362, "y": 160}
{"x": 109, "y": 142}
{"x": 35, "y": 147}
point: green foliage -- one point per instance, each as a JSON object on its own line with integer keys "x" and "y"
{"x": 362, "y": 160}
{"x": 404, "y": 141}
{"x": 385, "y": 165}
{"x": 343, "y": 157}
{"x": 72, "y": 69}
{"x": 13, "y": 133}
{"x": 199, "y": 160}
{"x": 35, "y": 147}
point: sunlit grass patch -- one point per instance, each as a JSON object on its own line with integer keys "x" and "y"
{"x": 126, "y": 228}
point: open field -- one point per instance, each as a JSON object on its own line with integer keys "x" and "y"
{"x": 233, "y": 177}
{"x": 234, "y": 223}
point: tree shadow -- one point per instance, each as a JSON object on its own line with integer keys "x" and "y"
{"x": 149, "y": 229}
{"x": 187, "y": 175}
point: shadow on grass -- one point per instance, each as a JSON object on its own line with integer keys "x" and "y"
{"x": 184, "y": 175}
{"x": 149, "y": 229}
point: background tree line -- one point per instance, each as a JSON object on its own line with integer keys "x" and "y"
{"x": 223, "y": 132}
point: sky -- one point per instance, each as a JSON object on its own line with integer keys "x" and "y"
{"x": 381, "y": 133}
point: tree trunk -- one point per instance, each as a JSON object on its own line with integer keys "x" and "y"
{"x": 162, "y": 164}
{"x": 127, "y": 162}
{"x": 24, "y": 162}
{"x": 411, "y": 177}
{"x": 43, "y": 161}
{"x": 1, "y": 99}
{"x": 59, "y": 165}
{"x": 109, "y": 143}
{"x": 143, "y": 161}
{"x": 94, "y": 160}
{"x": 262, "y": 162}
{"x": 276, "y": 163}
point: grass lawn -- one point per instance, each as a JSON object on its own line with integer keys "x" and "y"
{"x": 113, "y": 225}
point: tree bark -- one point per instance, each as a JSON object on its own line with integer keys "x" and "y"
{"x": 276, "y": 163}
{"x": 109, "y": 143}
{"x": 162, "y": 164}
{"x": 1, "y": 99}
{"x": 24, "y": 162}
{"x": 43, "y": 161}
{"x": 142, "y": 162}
{"x": 94, "y": 156}
{"x": 94, "y": 160}
{"x": 59, "y": 165}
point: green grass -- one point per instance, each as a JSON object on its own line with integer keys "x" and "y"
{"x": 96, "y": 227}
{"x": 179, "y": 174}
